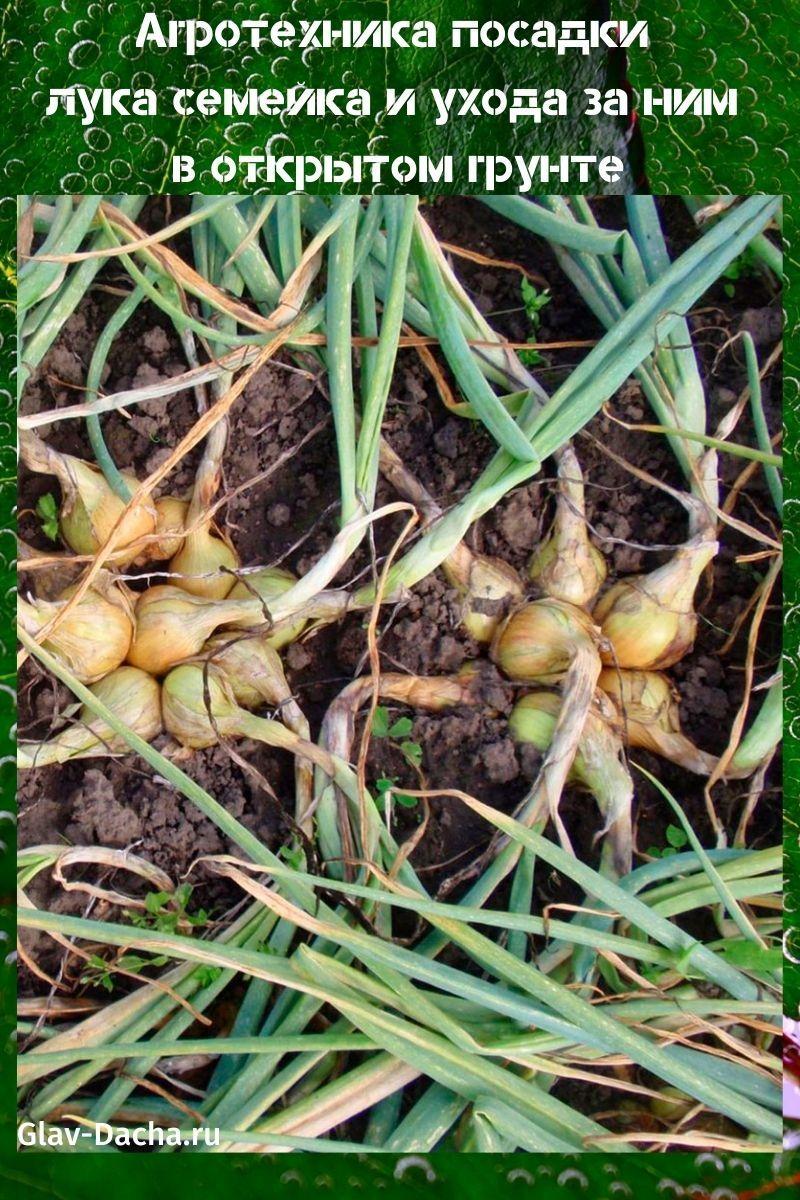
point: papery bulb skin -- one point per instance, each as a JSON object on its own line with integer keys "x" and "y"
{"x": 90, "y": 508}
{"x": 170, "y": 519}
{"x": 191, "y": 696}
{"x": 574, "y": 573}
{"x": 135, "y": 697}
{"x": 132, "y": 695}
{"x": 646, "y": 700}
{"x": 538, "y": 642}
{"x": 649, "y": 620}
{"x": 171, "y": 625}
{"x": 566, "y": 565}
{"x": 489, "y": 587}
{"x": 87, "y": 523}
{"x": 92, "y": 640}
{"x": 251, "y": 668}
{"x": 204, "y": 564}
{"x": 649, "y": 717}
{"x": 642, "y": 634}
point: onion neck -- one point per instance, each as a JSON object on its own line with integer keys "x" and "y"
{"x": 224, "y": 612}
{"x": 674, "y": 585}
{"x": 676, "y": 747}
{"x": 41, "y": 458}
{"x": 272, "y": 733}
{"x": 75, "y": 742}
{"x": 569, "y": 527}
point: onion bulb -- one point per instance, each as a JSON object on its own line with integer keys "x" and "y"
{"x": 199, "y": 708}
{"x": 170, "y": 520}
{"x": 597, "y": 766}
{"x": 132, "y": 695}
{"x": 193, "y": 695}
{"x": 205, "y": 559}
{"x": 649, "y": 620}
{"x": 489, "y": 588}
{"x": 91, "y": 640}
{"x": 90, "y": 509}
{"x": 204, "y": 562}
{"x": 648, "y": 706}
{"x": 172, "y": 625}
{"x": 566, "y": 565}
{"x": 260, "y": 587}
{"x": 539, "y": 641}
{"x": 252, "y": 669}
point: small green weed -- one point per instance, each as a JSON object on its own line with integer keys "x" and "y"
{"x": 677, "y": 840}
{"x": 47, "y": 512}
{"x": 167, "y": 911}
{"x": 397, "y": 731}
{"x": 100, "y": 972}
{"x": 534, "y": 301}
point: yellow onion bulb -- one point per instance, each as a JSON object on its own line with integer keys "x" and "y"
{"x": 643, "y": 634}
{"x": 254, "y": 673}
{"x": 203, "y": 563}
{"x": 199, "y": 707}
{"x": 647, "y": 702}
{"x": 489, "y": 587}
{"x": 264, "y": 585}
{"x": 649, "y": 620}
{"x": 573, "y": 572}
{"x": 91, "y": 640}
{"x": 648, "y": 707}
{"x": 90, "y": 510}
{"x": 171, "y": 625}
{"x": 190, "y": 693}
{"x": 132, "y": 695}
{"x": 539, "y": 641}
{"x": 170, "y": 520}
{"x": 251, "y": 667}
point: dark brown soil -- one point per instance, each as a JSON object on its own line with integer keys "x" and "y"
{"x": 290, "y": 517}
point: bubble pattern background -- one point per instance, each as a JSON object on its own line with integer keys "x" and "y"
{"x": 71, "y": 43}
{"x": 697, "y": 42}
